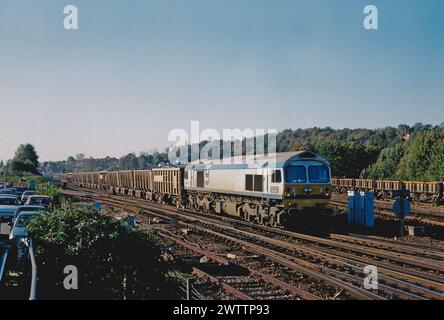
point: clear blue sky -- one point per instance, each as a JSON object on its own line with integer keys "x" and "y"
{"x": 137, "y": 69}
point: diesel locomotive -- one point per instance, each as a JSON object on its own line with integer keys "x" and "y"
{"x": 263, "y": 189}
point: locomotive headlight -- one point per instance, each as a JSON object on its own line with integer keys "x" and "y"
{"x": 327, "y": 192}
{"x": 291, "y": 192}
{"x": 308, "y": 190}
{"x": 288, "y": 192}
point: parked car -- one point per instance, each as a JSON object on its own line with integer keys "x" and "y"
{"x": 38, "y": 200}
{"x": 21, "y": 209}
{"x": 19, "y": 191}
{"x": 26, "y": 194}
{"x": 18, "y": 230}
{"x": 8, "y": 205}
{"x": 7, "y": 191}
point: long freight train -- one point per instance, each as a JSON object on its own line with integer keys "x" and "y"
{"x": 264, "y": 189}
{"x": 431, "y": 192}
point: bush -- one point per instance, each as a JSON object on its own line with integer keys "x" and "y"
{"x": 112, "y": 262}
{"x": 52, "y": 192}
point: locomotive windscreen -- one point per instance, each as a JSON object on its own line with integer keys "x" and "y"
{"x": 295, "y": 174}
{"x": 319, "y": 174}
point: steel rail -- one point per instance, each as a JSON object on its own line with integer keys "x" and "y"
{"x": 398, "y": 257}
{"x": 437, "y": 255}
{"x": 285, "y": 286}
{"x": 187, "y": 217}
{"x": 357, "y": 292}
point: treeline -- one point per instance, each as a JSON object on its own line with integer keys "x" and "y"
{"x": 403, "y": 152}
{"x": 407, "y": 153}
{"x": 80, "y": 163}
{"x": 419, "y": 158}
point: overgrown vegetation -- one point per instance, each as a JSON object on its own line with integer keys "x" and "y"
{"x": 112, "y": 262}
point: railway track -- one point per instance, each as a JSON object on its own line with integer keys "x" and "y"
{"x": 233, "y": 247}
{"x": 239, "y": 282}
{"x": 403, "y": 274}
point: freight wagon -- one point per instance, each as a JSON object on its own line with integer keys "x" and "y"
{"x": 431, "y": 192}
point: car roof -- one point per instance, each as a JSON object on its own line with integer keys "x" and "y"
{"x": 32, "y": 207}
{"x": 11, "y": 196}
{"x": 39, "y": 196}
{"x": 28, "y": 213}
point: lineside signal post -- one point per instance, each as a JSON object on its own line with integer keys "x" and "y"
{"x": 401, "y": 207}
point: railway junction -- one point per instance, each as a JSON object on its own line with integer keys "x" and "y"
{"x": 228, "y": 258}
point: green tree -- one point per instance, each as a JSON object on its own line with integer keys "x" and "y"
{"x": 159, "y": 158}
{"x": 387, "y": 164}
{"x": 19, "y": 166}
{"x": 422, "y": 156}
{"x": 25, "y": 159}
{"x": 27, "y": 152}
{"x": 113, "y": 262}
{"x": 436, "y": 170}
{"x": 347, "y": 159}
{"x": 129, "y": 162}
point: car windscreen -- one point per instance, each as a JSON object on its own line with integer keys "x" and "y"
{"x": 22, "y": 221}
{"x": 44, "y": 201}
{"x": 319, "y": 174}
{"x": 295, "y": 174}
{"x": 28, "y": 208}
{"x": 8, "y": 202}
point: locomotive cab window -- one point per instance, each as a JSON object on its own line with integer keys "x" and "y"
{"x": 319, "y": 174}
{"x": 295, "y": 174}
{"x": 276, "y": 176}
